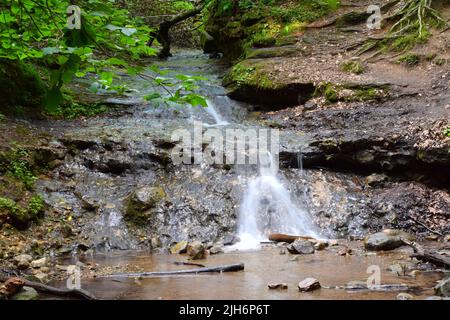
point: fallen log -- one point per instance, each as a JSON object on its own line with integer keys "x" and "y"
{"x": 224, "y": 268}
{"x": 427, "y": 256}
{"x": 43, "y": 288}
{"x": 280, "y": 237}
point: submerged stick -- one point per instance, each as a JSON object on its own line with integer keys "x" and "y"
{"x": 224, "y": 268}
{"x": 43, "y": 288}
{"x": 426, "y": 256}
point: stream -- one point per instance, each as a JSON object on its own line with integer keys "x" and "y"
{"x": 111, "y": 156}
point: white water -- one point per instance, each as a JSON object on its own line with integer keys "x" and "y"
{"x": 211, "y": 109}
{"x": 267, "y": 208}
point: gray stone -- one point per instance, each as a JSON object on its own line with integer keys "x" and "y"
{"x": 308, "y": 284}
{"x": 139, "y": 203}
{"x": 215, "y": 249}
{"x": 404, "y": 296}
{"x": 39, "y": 263}
{"x": 23, "y": 261}
{"x": 300, "y": 246}
{"x": 443, "y": 288}
{"x": 179, "y": 247}
{"x": 27, "y": 293}
{"x": 387, "y": 240}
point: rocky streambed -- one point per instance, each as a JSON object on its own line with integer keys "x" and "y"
{"x": 112, "y": 185}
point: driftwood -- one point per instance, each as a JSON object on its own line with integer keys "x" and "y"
{"x": 427, "y": 256}
{"x": 224, "y": 268}
{"x": 43, "y": 288}
{"x": 280, "y": 237}
{"x": 182, "y": 263}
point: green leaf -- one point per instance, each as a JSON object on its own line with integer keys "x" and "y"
{"x": 53, "y": 99}
{"x": 152, "y": 96}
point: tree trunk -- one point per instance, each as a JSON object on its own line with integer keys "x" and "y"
{"x": 162, "y": 35}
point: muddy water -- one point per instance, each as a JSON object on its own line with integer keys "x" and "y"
{"x": 261, "y": 267}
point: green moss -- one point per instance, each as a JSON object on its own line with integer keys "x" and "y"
{"x": 74, "y": 110}
{"x": 16, "y": 163}
{"x": 447, "y": 132}
{"x": 304, "y": 11}
{"x": 251, "y": 74}
{"x": 410, "y": 60}
{"x": 19, "y": 216}
{"x": 20, "y": 86}
{"x": 328, "y": 90}
{"x": 353, "y": 66}
{"x": 36, "y": 205}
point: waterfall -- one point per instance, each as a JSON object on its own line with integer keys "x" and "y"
{"x": 267, "y": 208}
{"x": 213, "y": 113}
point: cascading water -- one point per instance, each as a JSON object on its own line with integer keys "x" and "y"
{"x": 267, "y": 208}
{"x": 213, "y": 113}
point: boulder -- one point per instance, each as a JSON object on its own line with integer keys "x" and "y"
{"x": 23, "y": 261}
{"x": 300, "y": 246}
{"x": 179, "y": 247}
{"x": 196, "y": 250}
{"x": 216, "y": 249}
{"x": 27, "y": 293}
{"x": 443, "y": 288}
{"x": 39, "y": 263}
{"x": 308, "y": 284}
{"x": 386, "y": 240}
{"x": 208, "y": 43}
{"x": 140, "y": 201}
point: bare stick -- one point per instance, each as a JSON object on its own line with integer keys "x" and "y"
{"x": 224, "y": 268}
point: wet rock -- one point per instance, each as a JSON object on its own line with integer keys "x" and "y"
{"x": 42, "y": 277}
{"x": 155, "y": 242}
{"x": 432, "y": 237}
{"x": 208, "y": 43}
{"x": 196, "y": 250}
{"x": 375, "y": 179}
{"x": 216, "y": 249}
{"x": 300, "y": 246}
{"x": 27, "y": 293}
{"x": 387, "y": 240}
{"x": 344, "y": 251}
{"x": 23, "y": 261}
{"x": 230, "y": 239}
{"x": 179, "y": 248}
{"x": 39, "y": 263}
{"x": 139, "y": 203}
{"x": 320, "y": 245}
{"x": 443, "y": 288}
{"x": 308, "y": 284}
{"x": 276, "y": 285}
{"x": 404, "y": 296}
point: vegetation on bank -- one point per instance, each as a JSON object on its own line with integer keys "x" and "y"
{"x": 40, "y": 54}
{"x": 19, "y": 204}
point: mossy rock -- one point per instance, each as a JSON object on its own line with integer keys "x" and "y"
{"x": 353, "y": 66}
{"x": 250, "y": 81}
{"x": 20, "y": 85}
{"x": 139, "y": 204}
{"x": 263, "y": 53}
